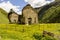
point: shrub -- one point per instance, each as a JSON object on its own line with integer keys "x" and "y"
{"x": 40, "y": 37}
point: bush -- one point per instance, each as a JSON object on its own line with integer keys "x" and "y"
{"x": 40, "y": 37}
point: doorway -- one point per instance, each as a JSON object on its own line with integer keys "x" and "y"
{"x": 29, "y": 21}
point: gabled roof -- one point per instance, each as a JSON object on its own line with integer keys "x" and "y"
{"x": 11, "y": 12}
{"x": 28, "y": 6}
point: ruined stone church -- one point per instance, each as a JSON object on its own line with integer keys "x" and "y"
{"x": 29, "y": 16}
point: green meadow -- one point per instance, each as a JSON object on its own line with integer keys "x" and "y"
{"x": 26, "y": 32}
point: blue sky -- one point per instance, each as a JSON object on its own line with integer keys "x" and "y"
{"x": 20, "y": 3}
{"x": 17, "y": 5}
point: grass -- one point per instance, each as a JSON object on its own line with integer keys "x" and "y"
{"x": 25, "y": 32}
{"x": 3, "y": 17}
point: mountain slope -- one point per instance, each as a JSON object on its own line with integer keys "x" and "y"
{"x": 3, "y": 17}
{"x": 50, "y": 13}
{"x": 57, "y": 0}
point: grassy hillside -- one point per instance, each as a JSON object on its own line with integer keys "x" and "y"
{"x": 57, "y": 0}
{"x": 26, "y": 32}
{"x": 50, "y": 13}
{"x": 3, "y": 17}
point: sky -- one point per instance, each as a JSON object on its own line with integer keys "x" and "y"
{"x": 38, "y": 3}
{"x": 17, "y": 5}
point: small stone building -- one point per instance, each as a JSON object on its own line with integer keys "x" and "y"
{"x": 30, "y": 16}
{"x": 13, "y": 17}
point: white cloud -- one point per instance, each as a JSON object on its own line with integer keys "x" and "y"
{"x": 7, "y": 6}
{"x": 38, "y": 3}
